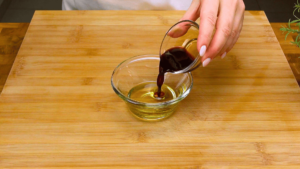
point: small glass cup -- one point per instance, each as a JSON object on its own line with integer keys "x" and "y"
{"x": 137, "y": 75}
{"x": 183, "y": 34}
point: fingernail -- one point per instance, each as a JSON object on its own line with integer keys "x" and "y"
{"x": 206, "y": 62}
{"x": 223, "y": 56}
{"x": 202, "y": 50}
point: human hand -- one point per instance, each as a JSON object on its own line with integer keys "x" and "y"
{"x": 226, "y": 16}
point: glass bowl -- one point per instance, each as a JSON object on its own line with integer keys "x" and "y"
{"x": 134, "y": 81}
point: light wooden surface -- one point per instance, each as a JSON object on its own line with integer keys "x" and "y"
{"x": 292, "y": 52}
{"x": 58, "y": 110}
{"x": 11, "y": 37}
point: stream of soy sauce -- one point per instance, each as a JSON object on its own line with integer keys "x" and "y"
{"x": 174, "y": 59}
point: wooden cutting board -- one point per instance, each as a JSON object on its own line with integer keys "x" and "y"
{"x": 58, "y": 110}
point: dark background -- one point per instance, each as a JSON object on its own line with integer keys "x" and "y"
{"x": 22, "y": 10}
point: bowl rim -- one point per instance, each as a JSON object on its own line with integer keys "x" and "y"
{"x": 173, "y": 101}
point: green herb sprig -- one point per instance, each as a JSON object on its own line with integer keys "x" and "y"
{"x": 291, "y": 30}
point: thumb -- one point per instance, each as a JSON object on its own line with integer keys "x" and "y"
{"x": 191, "y": 14}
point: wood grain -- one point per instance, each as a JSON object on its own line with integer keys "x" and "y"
{"x": 11, "y": 37}
{"x": 58, "y": 110}
{"x": 292, "y": 52}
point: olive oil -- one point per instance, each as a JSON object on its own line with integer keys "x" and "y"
{"x": 147, "y": 93}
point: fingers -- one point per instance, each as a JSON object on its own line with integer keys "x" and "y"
{"x": 238, "y": 35}
{"x": 179, "y": 30}
{"x": 208, "y": 17}
{"x": 225, "y": 15}
{"x": 237, "y": 27}
{"x": 223, "y": 30}
{"x": 191, "y": 14}
{"x": 231, "y": 41}
{"x": 235, "y": 39}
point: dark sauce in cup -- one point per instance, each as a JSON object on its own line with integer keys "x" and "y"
{"x": 172, "y": 60}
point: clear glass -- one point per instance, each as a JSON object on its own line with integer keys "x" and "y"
{"x": 142, "y": 71}
{"x": 183, "y": 34}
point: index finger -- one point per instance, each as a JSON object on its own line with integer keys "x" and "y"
{"x": 223, "y": 29}
{"x": 208, "y": 18}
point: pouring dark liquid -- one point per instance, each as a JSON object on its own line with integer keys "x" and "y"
{"x": 174, "y": 59}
